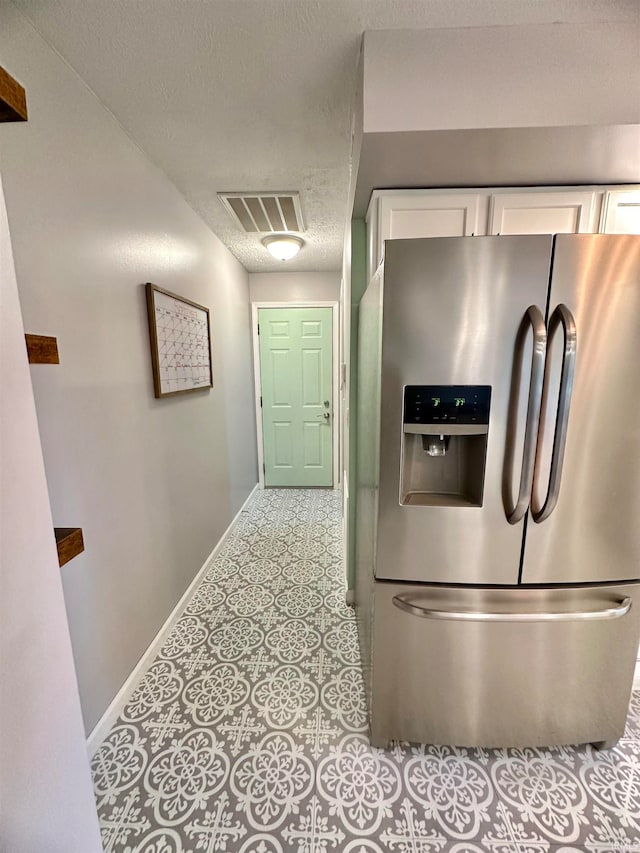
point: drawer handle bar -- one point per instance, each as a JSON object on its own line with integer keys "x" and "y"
{"x": 614, "y": 612}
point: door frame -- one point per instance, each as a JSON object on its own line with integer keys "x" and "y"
{"x": 335, "y": 376}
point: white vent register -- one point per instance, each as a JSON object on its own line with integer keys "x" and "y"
{"x": 265, "y": 213}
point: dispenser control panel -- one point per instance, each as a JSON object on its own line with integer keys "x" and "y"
{"x": 451, "y": 404}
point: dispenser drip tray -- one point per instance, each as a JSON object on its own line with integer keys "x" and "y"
{"x": 453, "y": 476}
{"x": 437, "y": 499}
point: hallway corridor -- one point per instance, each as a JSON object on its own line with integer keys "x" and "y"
{"x": 247, "y": 733}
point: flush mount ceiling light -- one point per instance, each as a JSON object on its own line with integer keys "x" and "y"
{"x": 283, "y": 247}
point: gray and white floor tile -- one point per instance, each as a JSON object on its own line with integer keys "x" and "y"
{"x": 248, "y": 733}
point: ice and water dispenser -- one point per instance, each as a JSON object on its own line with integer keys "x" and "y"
{"x": 444, "y": 444}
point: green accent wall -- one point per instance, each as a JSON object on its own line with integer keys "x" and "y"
{"x": 358, "y": 287}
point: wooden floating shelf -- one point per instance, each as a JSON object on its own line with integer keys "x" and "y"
{"x": 42, "y": 349}
{"x": 13, "y": 98}
{"x": 70, "y": 543}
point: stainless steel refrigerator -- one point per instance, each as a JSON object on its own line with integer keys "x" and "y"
{"x": 498, "y": 492}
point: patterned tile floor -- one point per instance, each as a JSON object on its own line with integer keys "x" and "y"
{"x": 247, "y": 733}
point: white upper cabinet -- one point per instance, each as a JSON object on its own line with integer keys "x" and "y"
{"x": 467, "y": 212}
{"x": 544, "y": 213}
{"x": 621, "y": 212}
{"x": 423, "y": 214}
{"x": 429, "y": 216}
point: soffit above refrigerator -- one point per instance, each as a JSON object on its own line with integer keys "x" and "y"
{"x": 523, "y": 105}
{"x": 495, "y": 157}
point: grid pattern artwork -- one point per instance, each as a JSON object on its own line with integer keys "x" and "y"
{"x": 182, "y": 357}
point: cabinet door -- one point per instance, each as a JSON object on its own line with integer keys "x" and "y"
{"x": 621, "y": 212}
{"x": 426, "y": 215}
{"x": 543, "y": 213}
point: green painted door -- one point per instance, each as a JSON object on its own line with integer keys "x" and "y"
{"x": 297, "y": 394}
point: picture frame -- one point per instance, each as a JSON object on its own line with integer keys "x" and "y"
{"x": 180, "y": 337}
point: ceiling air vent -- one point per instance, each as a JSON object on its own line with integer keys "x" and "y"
{"x": 265, "y": 213}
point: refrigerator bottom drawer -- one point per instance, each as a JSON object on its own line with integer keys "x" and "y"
{"x": 502, "y": 668}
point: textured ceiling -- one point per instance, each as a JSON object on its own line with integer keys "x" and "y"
{"x": 227, "y": 95}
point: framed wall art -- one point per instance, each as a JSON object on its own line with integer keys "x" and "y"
{"x": 180, "y": 343}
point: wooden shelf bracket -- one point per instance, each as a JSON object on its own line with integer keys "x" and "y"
{"x": 13, "y": 98}
{"x": 70, "y": 543}
{"x": 42, "y": 349}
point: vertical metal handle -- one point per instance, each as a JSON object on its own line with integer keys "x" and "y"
{"x": 561, "y": 316}
{"x": 534, "y": 320}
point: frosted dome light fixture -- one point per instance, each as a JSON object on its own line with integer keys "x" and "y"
{"x": 283, "y": 247}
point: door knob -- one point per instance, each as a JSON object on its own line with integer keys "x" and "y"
{"x": 327, "y": 416}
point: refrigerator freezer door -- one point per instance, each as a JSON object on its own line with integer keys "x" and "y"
{"x": 492, "y": 668}
{"x": 592, "y": 533}
{"x": 453, "y": 310}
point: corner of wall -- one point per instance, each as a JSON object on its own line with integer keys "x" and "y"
{"x": 152, "y": 482}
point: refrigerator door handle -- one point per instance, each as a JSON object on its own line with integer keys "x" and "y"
{"x": 561, "y": 316}
{"x": 621, "y": 608}
{"x": 534, "y": 320}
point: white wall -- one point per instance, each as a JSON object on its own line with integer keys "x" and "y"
{"x": 517, "y": 76}
{"x": 46, "y": 797}
{"x": 153, "y": 483}
{"x": 294, "y": 286}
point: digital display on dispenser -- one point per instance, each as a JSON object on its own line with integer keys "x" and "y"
{"x": 461, "y": 404}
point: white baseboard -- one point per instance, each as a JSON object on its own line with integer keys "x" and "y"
{"x": 105, "y": 723}
{"x": 636, "y": 676}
